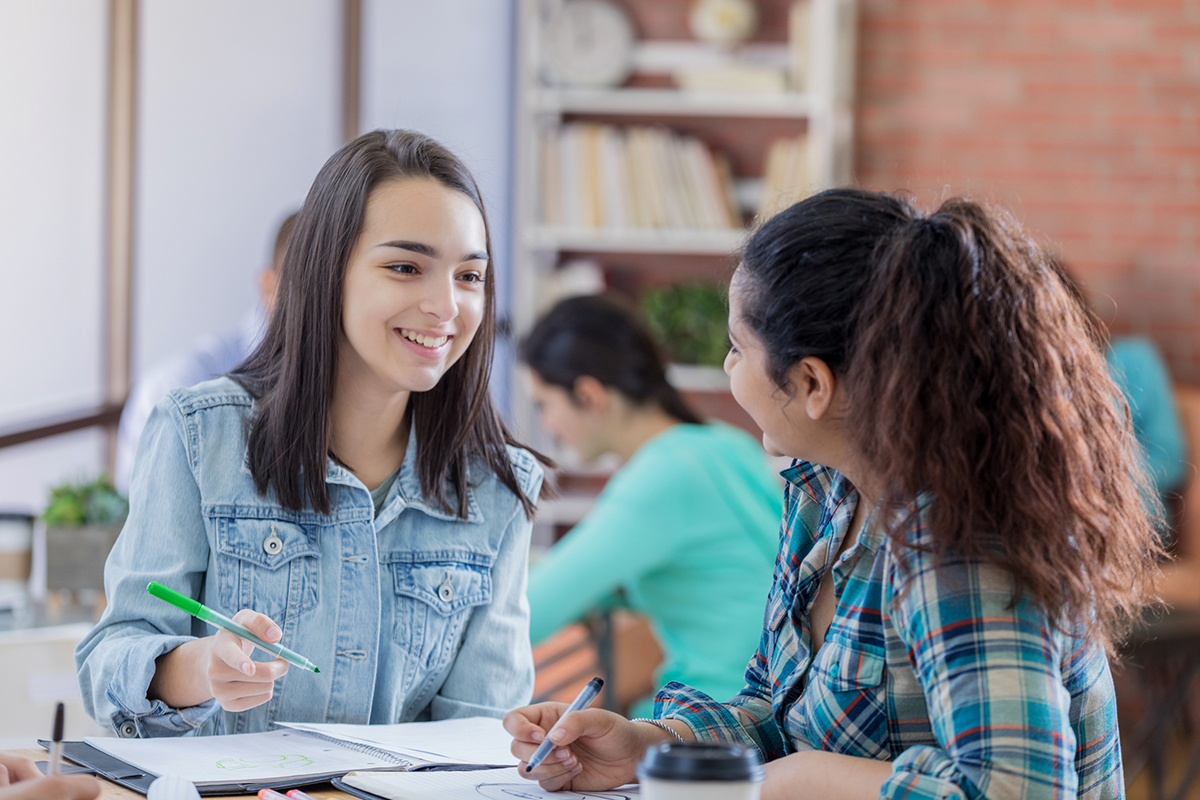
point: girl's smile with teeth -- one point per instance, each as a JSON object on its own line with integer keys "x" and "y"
{"x": 425, "y": 340}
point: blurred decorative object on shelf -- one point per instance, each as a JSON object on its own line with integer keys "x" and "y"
{"x": 689, "y": 320}
{"x": 576, "y": 278}
{"x": 587, "y": 43}
{"x": 604, "y": 176}
{"x": 724, "y": 22}
{"x": 16, "y": 558}
{"x": 82, "y": 523}
{"x": 732, "y": 78}
{"x": 787, "y": 178}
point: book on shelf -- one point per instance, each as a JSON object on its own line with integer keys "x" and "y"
{"x": 787, "y": 178}
{"x": 597, "y": 176}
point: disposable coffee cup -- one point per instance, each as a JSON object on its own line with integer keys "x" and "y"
{"x": 679, "y": 771}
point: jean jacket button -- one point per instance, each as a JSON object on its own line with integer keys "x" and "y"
{"x": 127, "y": 730}
{"x": 272, "y": 544}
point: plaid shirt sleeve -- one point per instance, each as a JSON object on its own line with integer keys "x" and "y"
{"x": 990, "y": 672}
{"x": 748, "y": 717}
{"x": 745, "y": 719}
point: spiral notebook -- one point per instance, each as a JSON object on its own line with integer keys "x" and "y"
{"x": 301, "y": 754}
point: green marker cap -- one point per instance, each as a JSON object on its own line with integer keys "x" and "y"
{"x": 174, "y": 598}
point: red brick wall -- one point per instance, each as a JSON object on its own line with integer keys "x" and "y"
{"x": 1082, "y": 116}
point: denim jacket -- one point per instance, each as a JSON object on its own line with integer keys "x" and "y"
{"x": 413, "y": 615}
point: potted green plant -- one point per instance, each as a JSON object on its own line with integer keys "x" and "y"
{"x": 82, "y": 523}
{"x": 689, "y": 320}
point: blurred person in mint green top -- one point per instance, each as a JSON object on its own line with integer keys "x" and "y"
{"x": 1138, "y": 369}
{"x": 687, "y": 529}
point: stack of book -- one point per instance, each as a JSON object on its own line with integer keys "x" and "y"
{"x": 608, "y": 177}
{"x": 787, "y": 179}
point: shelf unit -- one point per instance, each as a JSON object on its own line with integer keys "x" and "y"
{"x": 823, "y": 110}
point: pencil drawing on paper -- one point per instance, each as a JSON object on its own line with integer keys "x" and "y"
{"x": 252, "y": 762}
{"x": 523, "y": 791}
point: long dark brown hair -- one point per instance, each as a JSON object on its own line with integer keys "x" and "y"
{"x": 972, "y": 372}
{"x": 600, "y": 337}
{"x": 293, "y": 371}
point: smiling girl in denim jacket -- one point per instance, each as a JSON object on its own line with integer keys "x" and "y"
{"x": 349, "y": 490}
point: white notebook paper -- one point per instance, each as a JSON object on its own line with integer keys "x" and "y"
{"x": 496, "y": 784}
{"x": 303, "y": 752}
{"x": 471, "y": 740}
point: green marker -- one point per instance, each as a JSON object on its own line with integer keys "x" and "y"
{"x": 203, "y": 612}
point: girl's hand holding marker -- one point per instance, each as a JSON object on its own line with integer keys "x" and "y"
{"x": 232, "y": 677}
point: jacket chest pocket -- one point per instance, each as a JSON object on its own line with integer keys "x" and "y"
{"x": 269, "y": 566}
{"x": 433, "y": 602}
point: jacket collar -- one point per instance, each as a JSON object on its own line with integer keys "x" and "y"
{"x": 406, "y": 492}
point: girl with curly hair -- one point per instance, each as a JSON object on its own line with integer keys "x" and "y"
{"x": 968, "y": 529}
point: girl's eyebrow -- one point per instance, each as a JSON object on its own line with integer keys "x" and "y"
{"x": 415, "y": 247}
{"x": 428, "y": 250}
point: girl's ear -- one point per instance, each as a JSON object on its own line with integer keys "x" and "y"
{"x": 591, "y": 394}
{"x": 814, "y": 385}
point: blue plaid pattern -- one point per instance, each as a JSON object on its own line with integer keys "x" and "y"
{"x": 936, "y": 671}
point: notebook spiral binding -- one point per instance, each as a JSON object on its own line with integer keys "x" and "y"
{"x": 366, "y": 749}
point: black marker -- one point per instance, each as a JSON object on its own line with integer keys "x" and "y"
{"x": 56, "y": 748}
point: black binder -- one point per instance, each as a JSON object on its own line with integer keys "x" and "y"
{"x": 123, "y": 774}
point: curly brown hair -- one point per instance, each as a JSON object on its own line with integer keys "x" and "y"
{"x": 974, "y": 373}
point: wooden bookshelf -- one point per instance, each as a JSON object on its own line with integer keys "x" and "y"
{"x": 737, "y": 126}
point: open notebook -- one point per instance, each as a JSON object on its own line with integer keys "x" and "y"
{"x": 500, "y": 784}
{"x": 302, "y": 753}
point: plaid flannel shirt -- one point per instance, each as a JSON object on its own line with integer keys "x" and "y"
{"x": 965, "y": 695}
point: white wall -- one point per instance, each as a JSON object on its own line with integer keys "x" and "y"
{"x": 53, "y": 57}
{"x": 446, "y": 69}
{"x": 239, "y": 107}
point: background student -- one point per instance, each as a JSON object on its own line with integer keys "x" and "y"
{"x": 686, "y": 527}
{"x": 208, "y": 358}
{"x": 1138, "y": 369}
{"x": 1137, "y": 366}
{"x": 966, "y": 535}
{"x": 351, "y": 490}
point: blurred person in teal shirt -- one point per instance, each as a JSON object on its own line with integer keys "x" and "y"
{"x": 687, "y": 528}
{"x": 1138, "y": 369}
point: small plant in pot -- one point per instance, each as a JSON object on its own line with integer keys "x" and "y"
{"x": 689, "y": 320}
{"x": 82, "y": 523}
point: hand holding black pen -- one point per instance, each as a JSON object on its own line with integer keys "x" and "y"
{"x": 584, "y": 700}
